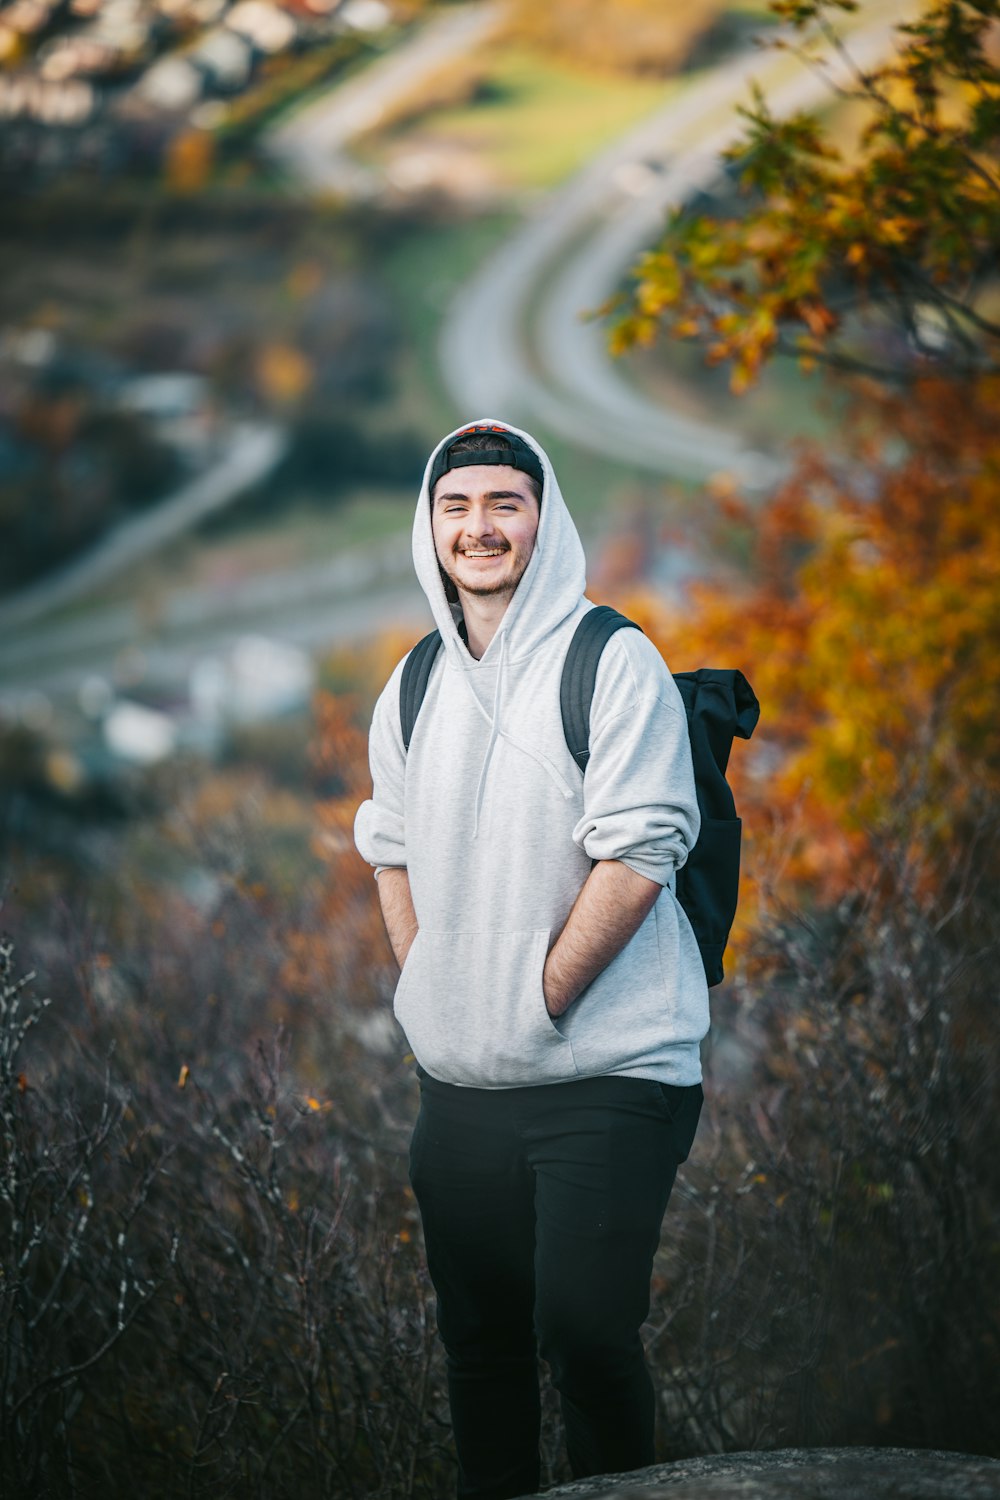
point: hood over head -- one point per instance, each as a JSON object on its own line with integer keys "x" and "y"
{"x": 551, "y": 585}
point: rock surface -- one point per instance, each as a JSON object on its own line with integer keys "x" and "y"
{"x": 803, "y": 1474}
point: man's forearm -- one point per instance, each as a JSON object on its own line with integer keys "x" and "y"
{"x": 611, "y": 907}
{"x": 397, "y": 911}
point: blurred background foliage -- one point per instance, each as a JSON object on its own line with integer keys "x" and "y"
{"x": 212, "y": 1279}
{"x": 863, "y": 250}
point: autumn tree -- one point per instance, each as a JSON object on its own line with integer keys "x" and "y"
{"x": 869, "y": 611}
{"x": 868, "y": 618}
{"x": 875, "y": 254}
{"x": 863, "y": 599}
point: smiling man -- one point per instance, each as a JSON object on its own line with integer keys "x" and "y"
{"x": 484, "y": 520}
{"x": 552, "y": 990}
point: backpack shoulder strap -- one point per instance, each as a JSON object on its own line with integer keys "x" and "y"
{"x": 413, "y": 682}
{"x": 579, "y": 675}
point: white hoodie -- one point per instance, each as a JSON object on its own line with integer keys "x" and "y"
{"x": 498, "y": 829}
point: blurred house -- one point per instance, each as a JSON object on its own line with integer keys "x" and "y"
{"x": 28, "y": 17}
{"x": 225, "y": 58}
{"x": 270, "y": 29}
{"x": 139, "y": 734}
{"x": 178, "y": 408}
{"x": 365, "y": 15}
{"x": 77, "y": 57}
{"x": 47, "y": 101}
{"x": 259, "y": 679}
{"x": 105, "y": 84}
{"x": 172, "y": 85}
{"x": 119, "y": 39}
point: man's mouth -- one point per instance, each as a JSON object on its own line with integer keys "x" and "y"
{"x": 484, "y": 552}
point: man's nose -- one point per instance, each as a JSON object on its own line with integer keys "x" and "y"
{"x": 480, "y": 524}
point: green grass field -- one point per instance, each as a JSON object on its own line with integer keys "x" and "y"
{"x": 530, "y": 121}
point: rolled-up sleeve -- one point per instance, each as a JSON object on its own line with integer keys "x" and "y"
{"x": 379, "y": 826}
{"x": 640, "y": 805}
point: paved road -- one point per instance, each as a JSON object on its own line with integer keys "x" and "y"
{"x": 123, "y": 646}
{"x": 556, "y": 367}
{"x": 250, "y": 454}
{"x": 311, "y": 144}
{"x": 557, "y": 370}
{"x": 311, "y": 606}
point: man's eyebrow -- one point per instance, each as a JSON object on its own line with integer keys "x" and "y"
{"x": 490, "y": 495}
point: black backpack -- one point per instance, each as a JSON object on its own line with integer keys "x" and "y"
{"x": 720, "y": 705}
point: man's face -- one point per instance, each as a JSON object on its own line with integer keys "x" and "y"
{"x": 484, "y": 520}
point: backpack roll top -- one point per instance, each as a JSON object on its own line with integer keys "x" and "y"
{"x": 720, "y": 706}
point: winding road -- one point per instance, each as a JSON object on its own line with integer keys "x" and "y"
{"x": 311, "y": 145}
{"x": 250, "y": 452}
{"x": 515, "y": 340}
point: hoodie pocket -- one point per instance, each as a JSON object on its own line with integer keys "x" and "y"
{"x": 472, "y": 1007}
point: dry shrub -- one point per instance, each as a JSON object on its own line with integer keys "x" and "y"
{"x": 828, "y": 1274}
{"x": 212, "y": 1287}
{"x": 212, "y": 1274}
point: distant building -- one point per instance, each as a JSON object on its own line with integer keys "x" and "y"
{"x": 46, "y": 101}
{"x": 270, "y": 29}
{"x": 226, "y": 59}
{"x": 260, "y": 679}
{"x": 173, "y": 84}
{"x": 177, "y": 406}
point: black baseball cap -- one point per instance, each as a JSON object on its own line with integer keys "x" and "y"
{"x": 518, "y": 456}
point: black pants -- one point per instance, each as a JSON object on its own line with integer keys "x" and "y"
{"x": 542, "y": 1210}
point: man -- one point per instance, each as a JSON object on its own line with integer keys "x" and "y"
{"x": 551, "y": 990}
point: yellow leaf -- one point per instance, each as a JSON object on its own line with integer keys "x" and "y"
{"x": 189, "y": 160}
{"x": 283, "y": 372}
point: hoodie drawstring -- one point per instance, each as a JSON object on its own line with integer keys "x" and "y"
{"x": 494, "y": 733}
{"x": 542, "y": 761}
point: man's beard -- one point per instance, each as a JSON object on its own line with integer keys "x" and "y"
{"x": 486, "y": 589}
